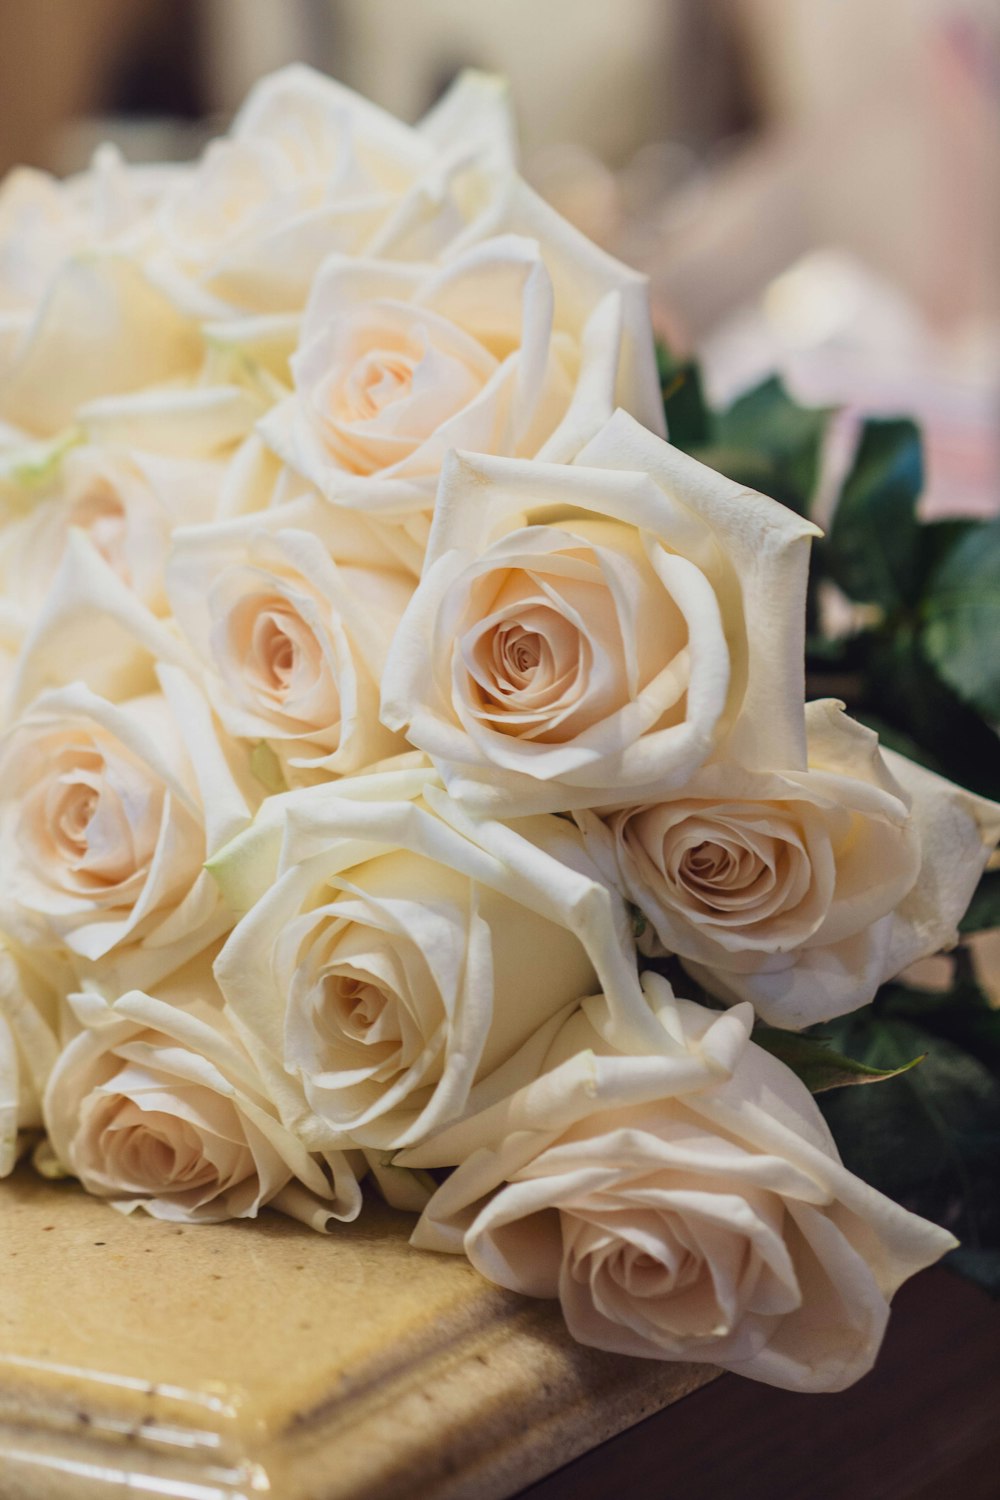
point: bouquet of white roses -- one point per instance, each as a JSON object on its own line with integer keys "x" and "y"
{"x": 406, "y": 767}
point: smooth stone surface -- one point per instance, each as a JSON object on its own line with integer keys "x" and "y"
{"x": 261, "y": 1359}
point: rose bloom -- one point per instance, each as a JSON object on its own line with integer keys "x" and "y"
{"x": 309, "y": 168}
{"x": 802, "y": 891}
{"x": 688, "y": 1204}
{"x": 80, "y": 317}
{"x": 522, "y": 344}
{"x": 393, "y": 953}
{"x": 45, "y": 222}
{"x": 156, "y": 1105}
{"x": 127, "y": 503}
{"x": 107, "y": 815}
{"x": 29, "y": 1043}
{"x": 291, "y": 612}
{"x": 583, "y": 631}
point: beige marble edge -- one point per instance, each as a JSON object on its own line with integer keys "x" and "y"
{"x": 263, "y": 1361}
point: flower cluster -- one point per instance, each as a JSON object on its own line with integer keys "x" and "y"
{"x": 383, "y": 699}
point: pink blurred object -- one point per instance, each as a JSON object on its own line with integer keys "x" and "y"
{"x": 843, "y": 336}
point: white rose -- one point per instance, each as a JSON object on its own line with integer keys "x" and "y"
{"x": 802, "y": 891}
{"x": 107, "y": 815}
{"x": 291, "y": 611}
{"x": 90, "y": 627}
{"x": 29, "y": 1044}
{"x": 402, "y": 952}
{"x": 584, "y": 630}
{"x": 103, "y": 329}
{"x": 156, "y": 1105}
{"x": 44, "y": 222}
{"x": 690, "y": 1205}
{"x": 309, "y": 168}
{"x": 523, "y": 345}
{"x": 127, "y": 503}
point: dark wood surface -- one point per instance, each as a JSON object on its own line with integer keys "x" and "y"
{"x": 924, "y": 1425}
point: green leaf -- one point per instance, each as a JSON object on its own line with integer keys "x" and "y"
{"x": 873, "y": 543}
{"x": 766, "y": 424}
{"x": 961, "y": 611}
{"x": 984, "y": 908}
{"x": 903, "y": 688}
{"x": 961, "y": 1014}
{"x": 755, "y": 470}
{"x": 937, "y": 538}
{"x": 689, "y": 421}
{"x": 980, "y": 1266}
{"x": 820, "y": 1067}
{"x": 931, "y": 1141}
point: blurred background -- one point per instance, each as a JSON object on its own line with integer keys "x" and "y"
{"x": 813, "y": 186}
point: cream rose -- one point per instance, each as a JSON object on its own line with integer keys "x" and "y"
{"x": 127, "y": 503}
{"x": 522, "y": 344}
{"x": 309, "y": 168}
{"x": 802, "y": 891}
{"x": 45, "y": 222}
{"x": 291, "y": 613}
{"x": 90, "y": 628}
{"x": 155, "y": 1105}
{"x": 688, "y": 1205}
{"x": 584, "y": 630}
{"x": 107, "y": 815}
{"x": 402, "y": 952}
{"x": 79, "y": 316}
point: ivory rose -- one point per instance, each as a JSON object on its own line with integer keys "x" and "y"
{"x": 393, "y": 952}
{"x": 802, "y": 891}
{"x": 45, "y": 222}
{"x": 686, "y": 1204}
{"x": 128, "y": 503}
{"x": 107, "y": 815}
{"x": 585, "y": 631}
{"x": 522, "y": 344}
{"x": 155, "y": 1105}
{"x": 291, "y": 612}
{"x": 309, "y": 168}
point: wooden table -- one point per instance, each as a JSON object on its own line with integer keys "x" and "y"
{"x": 924, "y": 1425}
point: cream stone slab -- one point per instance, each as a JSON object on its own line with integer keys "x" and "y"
{"x": 229, "y": 1362}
